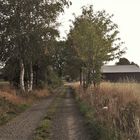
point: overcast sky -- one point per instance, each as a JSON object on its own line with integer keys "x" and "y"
{"x": 126, "y": 15}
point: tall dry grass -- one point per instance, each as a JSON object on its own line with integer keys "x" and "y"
{"x": 116, "y": 106}
{"x": 13, "y": 102}
{"x": 10, "y": 94}
{"x": 14, "y": 96}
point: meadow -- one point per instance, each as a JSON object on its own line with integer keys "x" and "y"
{"x": 112, "y": 110}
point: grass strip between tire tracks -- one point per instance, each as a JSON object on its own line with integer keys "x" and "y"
{"x": 43, "y": 131}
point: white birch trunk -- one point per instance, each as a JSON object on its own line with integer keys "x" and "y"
{"x": 22, "y": 72}
{"x": 31, "y": 78}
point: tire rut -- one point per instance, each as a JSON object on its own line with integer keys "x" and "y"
{"x": 69, "y": 123}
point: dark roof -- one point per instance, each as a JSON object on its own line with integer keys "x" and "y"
{"x": 120, "y": 69}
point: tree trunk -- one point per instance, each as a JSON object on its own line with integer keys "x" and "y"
{"x": 80, "y": 76}
{"x": 31, "y": 78}
{"x": 22, "y": 72}
{"x": 88, "y": 78}
{"x": 84, "y": 79}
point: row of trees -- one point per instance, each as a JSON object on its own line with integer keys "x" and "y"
{"x": 30, "y": 49}
{"x": 27, "y": 28}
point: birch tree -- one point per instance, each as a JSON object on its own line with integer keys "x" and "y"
{"x": 25, "y": 29}
{"x": 95, "y": 38}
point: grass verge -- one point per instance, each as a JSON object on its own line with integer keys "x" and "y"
{"x": 97, "y": 130}
{"x": 9, "y": 110}
{"x": 112, "y": 111}
{"x": 12, "y": 103}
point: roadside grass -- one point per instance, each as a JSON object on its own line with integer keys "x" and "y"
{"x": 96, "y": 129}
{"x": 112, "y": 111}
{"x": 12, "y": 103}
{"x": 43, "y": 132}
{"x": 9, "y": 110}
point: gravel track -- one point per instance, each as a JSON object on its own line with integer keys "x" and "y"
{"x": 23, "y": 126}
{"x": 68, "y": 123}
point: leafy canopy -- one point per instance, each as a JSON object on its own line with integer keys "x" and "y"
{"x": 95, "y": 38}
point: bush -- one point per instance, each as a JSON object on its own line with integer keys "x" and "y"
{"x": 53, "y": 80}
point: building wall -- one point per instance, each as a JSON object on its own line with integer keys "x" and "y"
{"x": 115, "y": 77}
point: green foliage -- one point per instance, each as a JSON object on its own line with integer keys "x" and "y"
{"x": 11, "y": 71}
{"x": 72, "y": 61}
{"x": 64, "y": 59}
{"x": 125, "y": 61}
{"x": 53, "y": 79}
{"x": 58, "y": 57}
{"x": 28, "y": 41}
{"x": 27, "y": 22}
{"x": 28, "y": 27}
{"x": 94, "y": 37}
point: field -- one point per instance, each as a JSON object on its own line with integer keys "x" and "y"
{"x": 114, "y": 108}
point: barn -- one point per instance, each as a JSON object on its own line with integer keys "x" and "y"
{"x": 115, "y": 73}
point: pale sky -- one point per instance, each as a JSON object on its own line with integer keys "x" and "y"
{"x": 126, "y": 15}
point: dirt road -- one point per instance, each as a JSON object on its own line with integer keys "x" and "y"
{"x": 68, "y": 123}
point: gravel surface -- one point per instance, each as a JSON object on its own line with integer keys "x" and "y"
{"x": 68, "y": 123}
{"x": 23, "y": 126}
